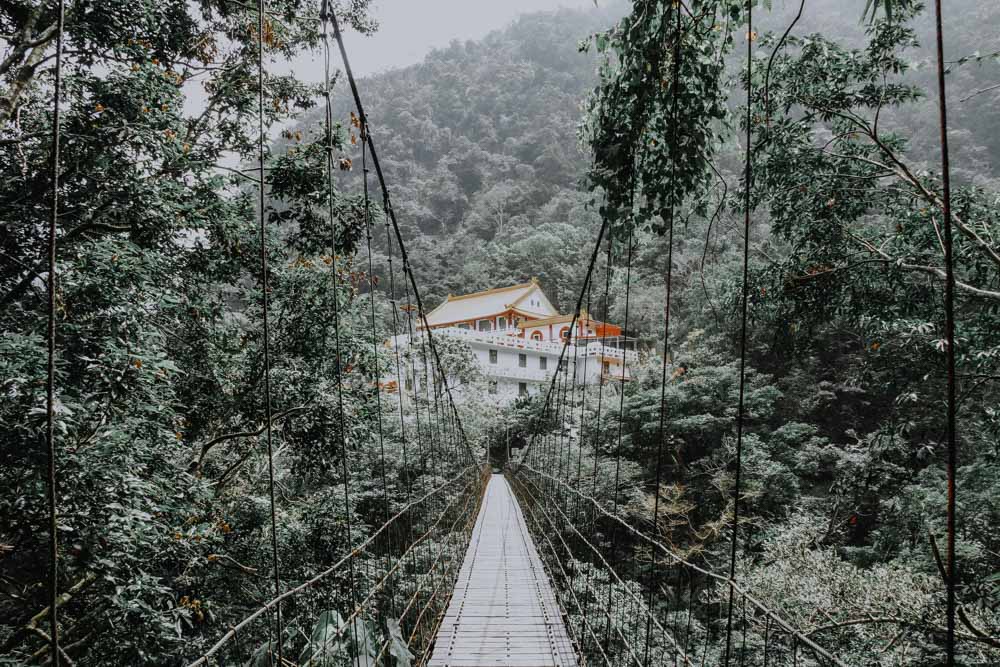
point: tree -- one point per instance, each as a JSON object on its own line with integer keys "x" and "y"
{"x": 160, "y": 368}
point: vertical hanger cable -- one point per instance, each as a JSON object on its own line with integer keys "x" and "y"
{"x": 265, "y": 305}
{"x": 50, "y": 377}
{"x": 740, "y": 414}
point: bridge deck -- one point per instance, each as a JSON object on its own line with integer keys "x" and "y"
{"x": 503, "y": 612}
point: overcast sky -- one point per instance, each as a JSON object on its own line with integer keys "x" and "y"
{"x": 409, "y": 29}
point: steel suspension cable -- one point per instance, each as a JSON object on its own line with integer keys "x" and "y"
{"x": 381, "y": 535}
{"x": 423, "y": 382}
{"x": 471, "y": 518}
{"x": 375, "y": 346}
{"x": 416, "y": 397}
{"x": 572, "y": 368}
{"x": 431, "y": 391}
{"x": 560, "y": 418}
{"x": 400, "y": 383}
{"x": 675, "y": 67}
{"x": 335, "y": 288}
{"x": 568, "y": 413}
{"x": 600, "y": 398}
{"x": 558, "y": 560}
{"x": 561, "y": 499}
{"x": 414, "y": 390}
{"x": 581, "y": 439}
{"x": 537, "y": 502}
{"x": 583, "y": 405}
{"x": 383, "y": 581}
{"x": 446, "y": 432}
{"x": 621, "y": 396}
{"x": 347, "y": 559}
{"x": 391, "y": 218}
{"x": 576, "y": 316}
{"x": 554, "y": 453}
{"x": 602, "y": 559}
{"x": 740, "y": 413}
{"x": 51, "y": 490}
{"x": 414, "y": 597}
{"x": 423, "y": 353}
{"x": 395, "y": 225}
{"x": 265, "y": 305}
{"x": 786, "y": 626}
{"x": 949, "y": 310}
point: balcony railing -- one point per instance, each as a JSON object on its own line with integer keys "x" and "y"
{"x": 505, "y": 340}
{"x": 607, "y": 352}
{"x": 500, "y": 339}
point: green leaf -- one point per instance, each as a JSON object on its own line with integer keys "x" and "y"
{"x": 324, "y": 645}
{"x": 398, "y": 648}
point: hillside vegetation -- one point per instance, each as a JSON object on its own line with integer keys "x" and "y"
{"x": 845, "y": 450}
{"x": 504, "y": 156}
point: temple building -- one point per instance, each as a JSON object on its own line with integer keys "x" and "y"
{"x": 517, "y": 336}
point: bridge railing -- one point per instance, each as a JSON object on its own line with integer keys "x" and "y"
{"x": 409, "y": 586}
{"x": 394, "y": 562}
{"x": 627, "y": 594}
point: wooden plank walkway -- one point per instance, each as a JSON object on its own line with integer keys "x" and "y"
{"x": 503, "y": 612}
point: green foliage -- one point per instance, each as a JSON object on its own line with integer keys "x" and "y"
{"x": 334, "y": 642}
{"x": 165, "y": 527}
{"x": 482, "y": 155}
{"x": 845, "y": 420}
{"x": 661, "y": 69}
{"x": 164, "y": 511}
{"x": 398, "y": 648}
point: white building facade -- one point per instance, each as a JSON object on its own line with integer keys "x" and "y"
{"x": 517, "y": 337}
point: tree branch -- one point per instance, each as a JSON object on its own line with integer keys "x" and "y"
{"x": 962, "y": 616}
{"x": 25, "y": 71}
{"x": 979, "y": 92}
{"x": 34, "y": 623}
{"x": 903, "y": 172}
{"x": 920, "y": 268}
{"x": 195, "y": 467}
{"x": 93, "y": 225}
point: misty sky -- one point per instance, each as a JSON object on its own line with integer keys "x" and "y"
{"x": 409, "y": 29}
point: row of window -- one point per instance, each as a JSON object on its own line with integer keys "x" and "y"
{"x": 522, "y": 388}
{"x": 488, "y": 325}
{"x": 563, "y": 334}
{"x": 522, "y": 360}
{"x": 501, "y": 325}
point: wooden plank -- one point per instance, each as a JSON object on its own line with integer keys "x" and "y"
{"x": 503, "y": 611}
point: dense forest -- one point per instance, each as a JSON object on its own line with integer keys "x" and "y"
{"x": 846, "y": 379}
{"x": 503, "y": 157}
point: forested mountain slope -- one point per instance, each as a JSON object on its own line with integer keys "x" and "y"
{"x": 844, "y": 458}
{"x": 170, "y": 521}
{"x": 481, "y": 148}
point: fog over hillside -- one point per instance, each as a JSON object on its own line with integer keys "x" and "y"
{"x": 480, "y": 143}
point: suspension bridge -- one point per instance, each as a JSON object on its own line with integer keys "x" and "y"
{"x": 523, "y": 567}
